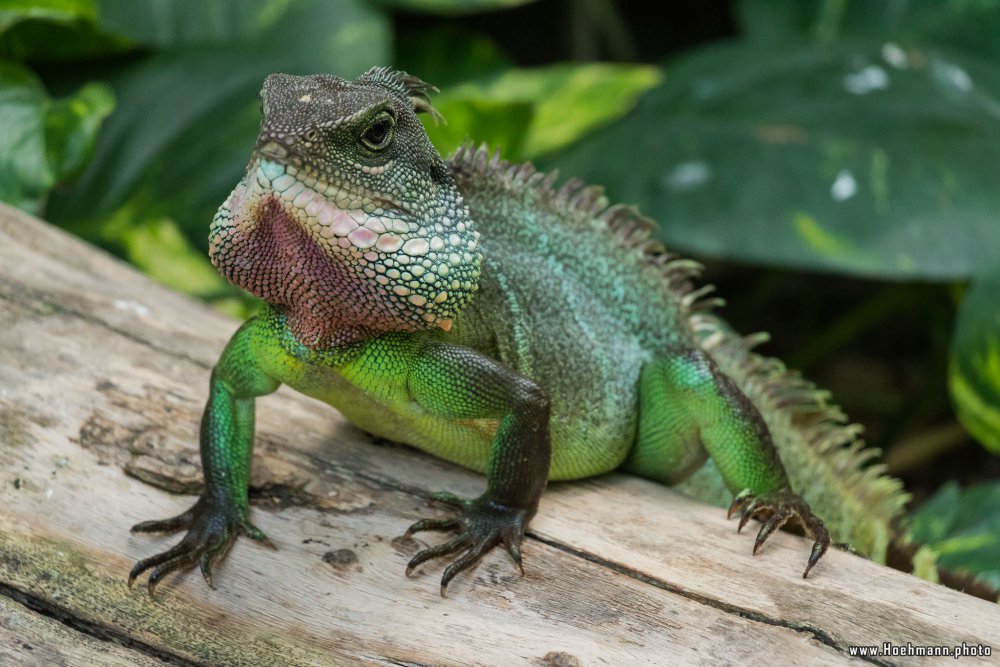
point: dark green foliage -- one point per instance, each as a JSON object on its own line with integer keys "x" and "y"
{"x": 829, "y": 157}
{"x": 961, "y": 526}
{"x": 974, "y": 374}
{"x": 44, "y": 141}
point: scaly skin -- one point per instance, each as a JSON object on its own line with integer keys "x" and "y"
{"x": 469, "y": 309}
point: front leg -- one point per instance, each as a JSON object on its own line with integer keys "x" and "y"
{"x": 456, "y": 382}
{"x": 222, "y": 513}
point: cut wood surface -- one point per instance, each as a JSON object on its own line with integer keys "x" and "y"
{"x": 103, "y": 375}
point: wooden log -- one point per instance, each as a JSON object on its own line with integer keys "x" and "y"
{"x": 103, "y": 375}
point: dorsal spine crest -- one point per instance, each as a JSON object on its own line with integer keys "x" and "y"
{"x": 407, "y": 86}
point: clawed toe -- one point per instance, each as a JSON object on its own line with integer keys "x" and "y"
{"x": 481, "y": 525}
{"x": 777, "y": 509}
{"x": 211, "y": 532}
{"x": 438, "y": 550}
{"x": 777, "y": 520}
{"x": 171, "y": 525}
{"x": 434, "y": 525}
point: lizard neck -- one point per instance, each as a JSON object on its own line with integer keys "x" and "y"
{"x": 343, "y": 270}
{"x": 340, "y": 349}
{"x": 317, "y": 332}
{"x": 326, "y": 302}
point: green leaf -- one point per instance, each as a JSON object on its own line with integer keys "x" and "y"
{"x": 15, "y": 11}
{"x": 837, "y": 158}
{"x": 566, "y": 102}
{"x": 935, "y": 519}
{"x": 974, "y": 364}
{"x": 47, "y": 30}
{"x": 961, "y": 527}
{"x": 188, "y": 116}
{"x": 43, "y": 142}
{"x": 188, "y": 22}
{"x": 71, "y": 126}
{"x": 480, "y": 121}
{"x": 453, "y": 7}
{"x": 957, "y": 24}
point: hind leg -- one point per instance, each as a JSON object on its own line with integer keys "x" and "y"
{"x": 688, "y": 410}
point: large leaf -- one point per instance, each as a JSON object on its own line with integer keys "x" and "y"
{"x": 840, "y": 158}
{"x": 481, "y": 120}
{"x": 961, "y": 527}
{"x": 159, "y": 24}
{"x": 15, "y": 11}
{"x": 565, "y": 102}
{"x": 958, "y": 24}
{"x": 41, "y": 30}
{"x": 43, "y": 141}
{"x": 188, "y": 116}
{"x": 974, "y": 365}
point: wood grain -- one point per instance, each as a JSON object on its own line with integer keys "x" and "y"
{"x": 103, "y": 375}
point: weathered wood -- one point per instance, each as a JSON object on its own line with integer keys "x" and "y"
{"x": 102, "y": 378}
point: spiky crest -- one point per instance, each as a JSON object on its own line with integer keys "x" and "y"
{"x": 773, "y": 388}
{"x": 405, "y": 85}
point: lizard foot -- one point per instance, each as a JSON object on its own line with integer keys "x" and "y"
{"x": 481, "y": 525}
{"x": 211, "y": 531}
{"x": 775, "y": 509}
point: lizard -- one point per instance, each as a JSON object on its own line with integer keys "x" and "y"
{"x": 471, "y": 308}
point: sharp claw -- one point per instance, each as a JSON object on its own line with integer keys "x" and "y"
{"x": 765, "y": 532}
{"x": 819, "y": 548}
{"x": 465, "y": 561}
{"x": 733, "y": 506}
{"x": 211, "y": 532}
{"x": 515, "y": 553}
{"x": 154, "y": 579}
{"x": 205, "y": 564}
{"x": 744, "y": 518}
{"x": 773, "y": 524}
{"x": 138, "y": 569}
{"x": 482, "y": 524}
{"x": 155, "y": 561}
{"x": 782, "y": 506}
{"x": 740, "y": 500}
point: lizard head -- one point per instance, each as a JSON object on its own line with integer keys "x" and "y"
{"x": 347, "y": 218}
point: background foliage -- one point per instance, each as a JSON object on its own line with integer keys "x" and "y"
{"x": 845, "y": 146}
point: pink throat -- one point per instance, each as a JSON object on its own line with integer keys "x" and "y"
{"x": 327, "y": 302}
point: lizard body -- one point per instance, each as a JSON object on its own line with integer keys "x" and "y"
{"x": 473, "y": 310}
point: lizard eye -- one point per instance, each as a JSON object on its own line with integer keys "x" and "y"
{"x": 311, "y": 134}
{"x": 378, "y": 135}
